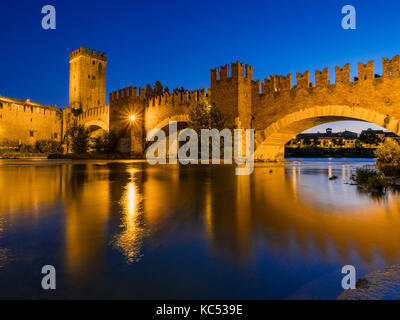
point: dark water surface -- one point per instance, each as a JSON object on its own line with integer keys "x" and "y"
{"x": 131, "y": 230}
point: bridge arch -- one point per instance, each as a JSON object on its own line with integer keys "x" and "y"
{"x": 164, "y": 123}
{"x": 94, "y": 125}
{"x": 270, "y": 142}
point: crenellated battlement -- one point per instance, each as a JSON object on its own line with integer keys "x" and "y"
{"x": 322, "y": 78}
{"x": 303, "y": 80}
{"x": 176, "y": 99}
{"x": 128, "y": 93}
{"x": 275, "y": 83}
{"x": 391, "y": 67}
{"x": 235, "y": 71}
{"x": 365, "y": 71}
{"x": 91, "y": 113}
{"x": 88, "y": 52}
{"x": 343, "y": 74}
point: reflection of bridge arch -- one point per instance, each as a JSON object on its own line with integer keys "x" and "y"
{"x": 271, "y": 141}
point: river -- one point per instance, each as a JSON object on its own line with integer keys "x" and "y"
{"x": 126, "y": 229}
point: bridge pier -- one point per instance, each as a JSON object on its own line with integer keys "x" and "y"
{"x": 270, "y": 153}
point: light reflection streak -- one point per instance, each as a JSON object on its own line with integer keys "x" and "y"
{"x": 130, "y": 240}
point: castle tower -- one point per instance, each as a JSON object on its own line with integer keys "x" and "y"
{"x": 87, "y": 79}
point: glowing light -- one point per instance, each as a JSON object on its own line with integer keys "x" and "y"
{"x": 132, "y": 118}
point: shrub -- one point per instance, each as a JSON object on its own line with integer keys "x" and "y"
{"x": 390, "y": 170}
{"x": 107, "y": 143}
{"x": 363, "y": 174}
{"x": 26, "y": 148}
{"x": 377, "y": 183}
{"x": 48, "y": 146}
{"x": 80, "y": 138}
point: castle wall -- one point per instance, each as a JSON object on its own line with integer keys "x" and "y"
{"x": 125, "y": 103}
{"x": 231, "y": 91}
{"x": 170, "y": 106}
{"x": 25, "y": 122}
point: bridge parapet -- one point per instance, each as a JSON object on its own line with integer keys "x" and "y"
{"x": 176, "y": 99}
{"x": 93, "y": 113}
{"x": 277, "y": 83}
{"x": 127, "y": 93}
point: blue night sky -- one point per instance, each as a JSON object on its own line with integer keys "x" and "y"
{"x": 178, "y": 42}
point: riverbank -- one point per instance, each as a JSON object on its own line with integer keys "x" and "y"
{"x": 380, "y": 285}
{"x": 17, "y": 155}
{"x": 71, "y": 156}
{"x": 318, "y": 152}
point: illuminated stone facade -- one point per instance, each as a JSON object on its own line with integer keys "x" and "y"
{"x": 275, "y": 109}
{"x": 25, "y": 122}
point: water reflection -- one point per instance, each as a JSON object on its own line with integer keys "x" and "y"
{"x": 120, "y": 215}
{"x": 4, "y": 255}
{"x": 130, "y": 239}
{"x": 87, "y": 204}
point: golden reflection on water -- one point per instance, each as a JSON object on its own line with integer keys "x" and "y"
{"x": 87, "y": 204}
{"x": 129, "y": 240}
{"x": 372, "y": 228}
{"x": 284, "y": 207}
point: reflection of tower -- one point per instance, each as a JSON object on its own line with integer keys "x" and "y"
{"x": 87, "y": 79}
{"x": 85, "y": 219}
{"x": 243, "y": 212}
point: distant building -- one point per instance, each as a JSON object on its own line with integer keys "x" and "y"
{"x": 372, "y": 138}
{"x": 346, "y": 139}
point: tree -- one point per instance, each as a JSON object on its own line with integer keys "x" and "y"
{"x": 107, "y": 143}
{"x": 166, "y": 90}
{"x": 149, "y": 91}
{"x": 80, "y": 138}
{"x": 369, "y": 137}
{"x": 158, "y": 89}
{"x": 388, "y": 152}
{"x": 179, "y": 90}
{"x": 98, "y": 144}
{"x": 205, "y": 115}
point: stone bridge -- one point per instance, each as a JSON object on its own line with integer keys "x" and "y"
{"x": 275, "y": 109}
